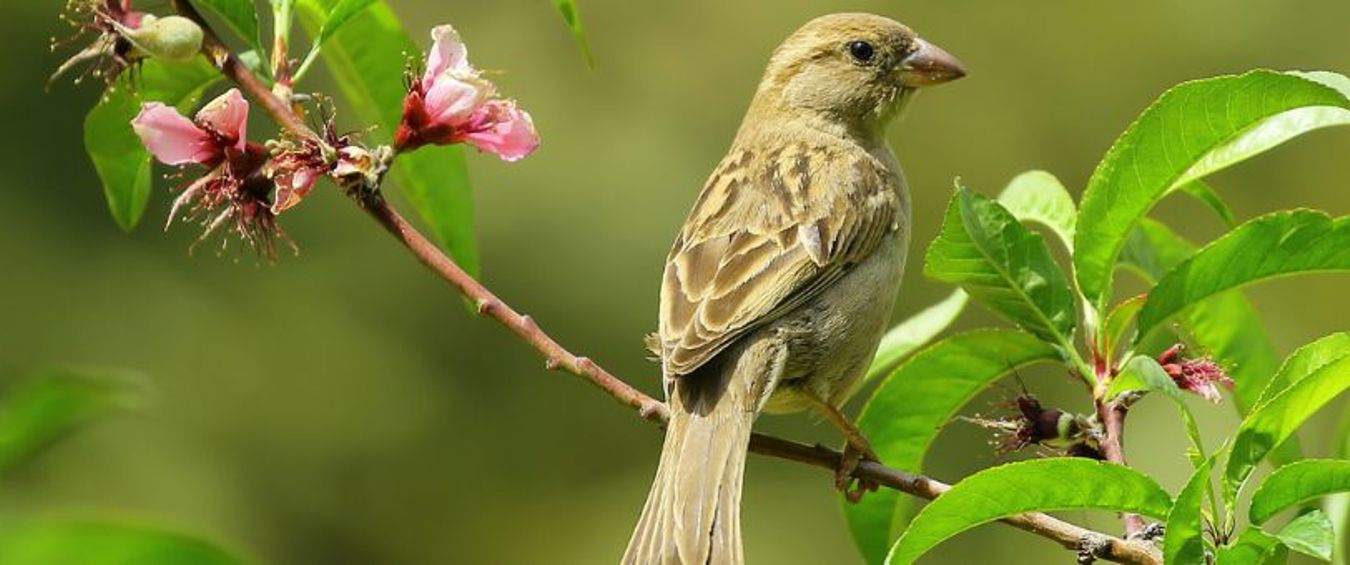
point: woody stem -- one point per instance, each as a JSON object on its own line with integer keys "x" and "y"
{"x": 1112, "y": 416}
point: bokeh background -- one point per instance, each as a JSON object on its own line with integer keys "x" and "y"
{"x": 340, "y": 406}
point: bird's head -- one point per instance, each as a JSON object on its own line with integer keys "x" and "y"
{"x": 852, "y": 70}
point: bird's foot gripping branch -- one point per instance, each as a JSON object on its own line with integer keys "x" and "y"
{"x": 159, "y": 67}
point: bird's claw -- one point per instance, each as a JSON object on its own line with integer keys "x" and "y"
{"x": 854, "y": 487}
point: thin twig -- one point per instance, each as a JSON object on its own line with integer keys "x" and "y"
{"x": 558, "y": 357}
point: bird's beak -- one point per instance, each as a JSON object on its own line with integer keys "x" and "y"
{"x": 929, "y": 65}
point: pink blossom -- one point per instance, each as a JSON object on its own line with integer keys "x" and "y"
{"x": 175, "y": 140}
{"x": 233, "y": 194}
{"x": 1201, "y": 376}
{"x": 451, "y": 103}
{"x": 227, "y": 118}
{"x": 448, "y": 55}
{"x": 233, "y": 197}
{"x": 503, "y": 129}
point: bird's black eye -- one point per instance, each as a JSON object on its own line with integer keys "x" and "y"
{"x": 861, "y": 51}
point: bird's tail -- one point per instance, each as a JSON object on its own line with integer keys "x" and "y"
{"x": 693, "y": 512}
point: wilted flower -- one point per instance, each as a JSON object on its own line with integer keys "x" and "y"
{"x": 1201, "y": 376}
{"x": 1034, "y": 424}
{"x": 299, "y": 162}
{"x": 234, "y": 191}
{"x": 123, "y": 36}
{"x": 452, "y": 103}
{"x": 296, "y": 166}
{"x": 365, "y": 167}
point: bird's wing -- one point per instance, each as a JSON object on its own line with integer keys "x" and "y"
{"x": 769, "y": 232}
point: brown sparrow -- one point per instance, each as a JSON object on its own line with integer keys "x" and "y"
{"x": 781, "y": 282}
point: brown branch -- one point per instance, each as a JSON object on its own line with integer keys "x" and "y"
{"x": 1112, "y": 416}
{"x": 558, "y": 357}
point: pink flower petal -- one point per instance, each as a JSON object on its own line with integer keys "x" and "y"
{"x": 508, "y": 133}
{"x": 172, "y": 138}
{"x": 293, "y": 188}
{"x": 227, "y": 115}
{"x": 450, "y": 102}
{"x": 448, "y": 53}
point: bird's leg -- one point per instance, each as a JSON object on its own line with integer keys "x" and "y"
{"x": 856, "y": 450}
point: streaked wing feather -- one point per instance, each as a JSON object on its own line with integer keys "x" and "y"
{"x": 768, "y": 233}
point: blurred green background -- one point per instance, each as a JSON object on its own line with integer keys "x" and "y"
{"x": 340, "y": 406}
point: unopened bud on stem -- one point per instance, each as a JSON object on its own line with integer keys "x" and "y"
{"x": 171, "y": 38}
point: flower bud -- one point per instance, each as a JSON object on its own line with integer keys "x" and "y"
{"x": 171, "y": 38}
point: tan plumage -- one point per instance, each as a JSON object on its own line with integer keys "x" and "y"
{"x": 771, "y": 229}
{"x": 780, "y": 282}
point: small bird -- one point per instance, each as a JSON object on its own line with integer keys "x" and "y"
{"x": 782, "y": 279}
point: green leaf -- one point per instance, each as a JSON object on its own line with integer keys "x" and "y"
{"x": 1303, "y": 361}
{"x": 367, "y": 57}
{"x": 1279, "y": 244}
{"x": 1226, "y": 326}
{"x": 1194, "y": 129}
{"x": 1338, "y": 506}
{"x": 1153, "y": 249}
{"x": 913, "y": 403}
{"x": 1039, "y": 485}
{"x": 342, "y": 13}
{"x": 240, "y": 15}
{"x": 1276, "y": 419}
{"x": 1001, "y": 263}
{"x": 1118, "y": 321}
{"x": 1143, "y": 373}
{"x": 568, "y": 10}
{"x": 915, "y": 332}
{"x": 1309, "y": 534}
{"x": 1253, "y": 547}
{"x": 44, "y": 407}
{"x": 1185, "y": 540}
{"x": 1296, "y": 483}
{"x": 1037, "y": 196}
{"x": 121, "y": 161}
{"x": 1205, "y": 194}
{"x": 93, "y": 543}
